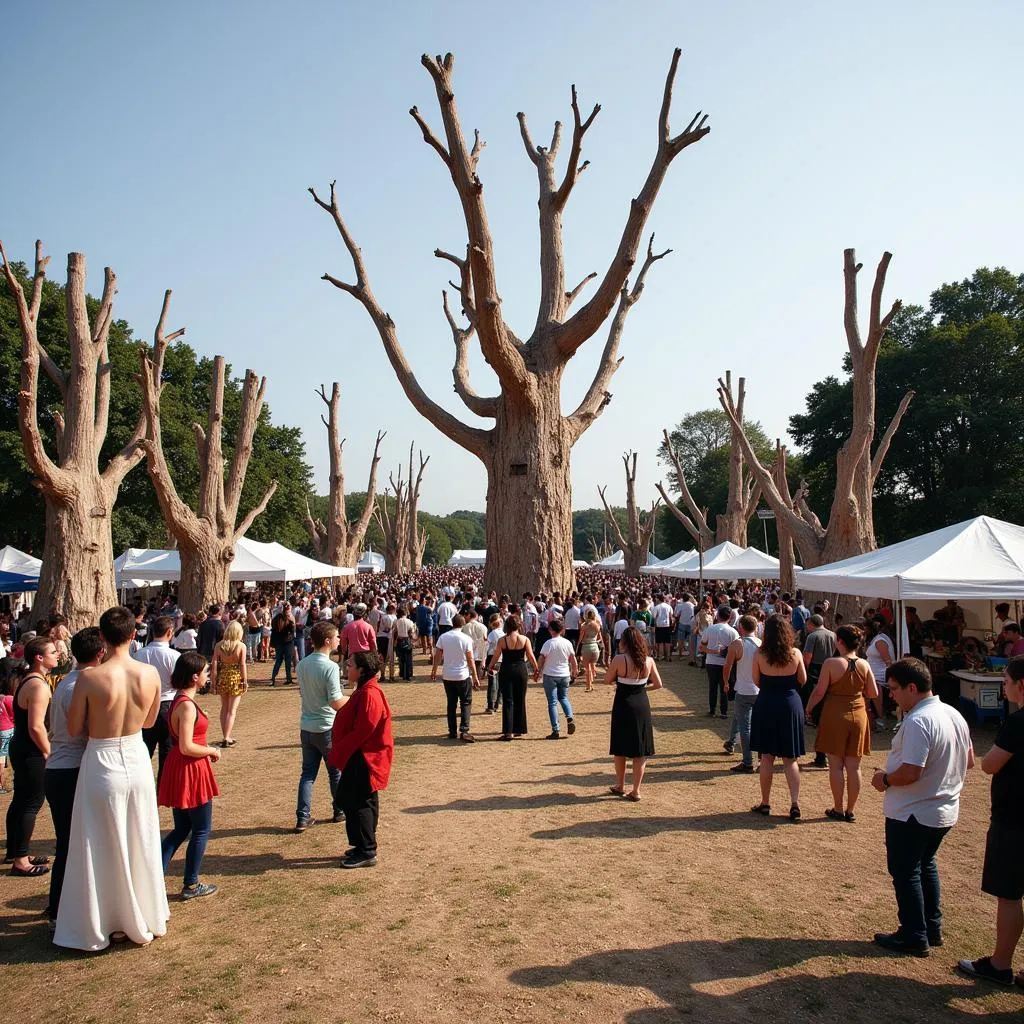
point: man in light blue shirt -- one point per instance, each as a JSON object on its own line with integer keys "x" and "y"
{"x": 322, "y": 696}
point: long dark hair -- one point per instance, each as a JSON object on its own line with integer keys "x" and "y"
{"x": 11, "y": 670}
{"x": 777, "y": 645}
{"x": 634, "y": 647}
{"x": 189, "y": 664}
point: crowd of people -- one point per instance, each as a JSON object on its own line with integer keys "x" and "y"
{"x": 121, "y": 691}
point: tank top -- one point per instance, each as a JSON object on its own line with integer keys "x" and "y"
{"x": 850, "y": 685}
{"x": 22, "y": 744}
{"x": 745, "y": 684}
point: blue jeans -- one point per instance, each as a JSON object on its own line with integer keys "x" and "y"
{"x": 283, "y": 653}
{"x": 194, "y": 825}
{"x": 316, "y": 746}
{"x": 252, "y": 643}
{"x": 742, "y": 709}
{"x": 556, "y": 689}
{"x": 910, "y": 850}
{"x": 300, "y": 644}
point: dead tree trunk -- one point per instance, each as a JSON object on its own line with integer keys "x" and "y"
{"x": 526, "y": 452}
{"x": 787, "y": 558}
{"x": 395, "y": 528}
{"x": 417, "y": 541}
{"x": 637, "y": 540}
{"x": 340, "y": 542}
{"x": 695, "y": 518}
{"x": 850, "y": 529}
{"x": 77, "y": 578}
{"x": 207, "y": 536}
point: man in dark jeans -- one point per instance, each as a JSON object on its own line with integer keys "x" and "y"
{"x": 455, "y": 650}
{"x": 923, "y": 777}
{"x": 714, "y": 644}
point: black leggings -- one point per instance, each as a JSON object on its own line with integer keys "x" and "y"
{"x": 29, "y": 789}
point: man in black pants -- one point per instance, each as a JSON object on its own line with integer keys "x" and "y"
{"x": 159, "y": 653}
{"x": 713, "y": 645}
{"x": 66, "y": 751}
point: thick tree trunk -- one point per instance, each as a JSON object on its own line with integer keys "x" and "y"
{"x": 205, "y": 574}
{"x": 529, "y": 496}
{"x": 77, "y": 578}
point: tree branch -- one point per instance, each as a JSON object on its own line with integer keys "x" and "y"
{"x": 430, "y": 138}
{"x": 248, "y": 421}
{"x": 699, "y": 527}
{"x": 472, "y": 439}
{"x": 243, "y": 527}
{"x": 358, "y": 532}
{"x": 574, "y": 168}
{"x": 316, "y": 530}
{"x": 460, "y": 371}
{"x": 612, "y": 520}
{"x": 570, "y": 296}
{"x": 883, "y": 445}
{"x": 586, "y": 321}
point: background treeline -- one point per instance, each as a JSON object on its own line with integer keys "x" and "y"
{"x": 957, "y": 454}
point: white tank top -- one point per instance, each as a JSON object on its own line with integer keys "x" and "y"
{"x": 745, "y": 667}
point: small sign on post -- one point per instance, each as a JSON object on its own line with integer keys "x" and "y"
{"x": 765, "y": 513}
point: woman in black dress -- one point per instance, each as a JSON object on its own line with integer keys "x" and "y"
{"x": 632, "y": 671}
{"x": 514, "y": 650}
{"x": 777, "y": 723}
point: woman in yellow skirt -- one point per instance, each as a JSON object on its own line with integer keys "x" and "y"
{"x": 228, "y": 677}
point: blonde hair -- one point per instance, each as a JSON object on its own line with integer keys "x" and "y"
{"x": 232, "y": 642}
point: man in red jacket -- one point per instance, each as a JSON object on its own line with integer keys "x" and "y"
{"x": 362, "y": 747}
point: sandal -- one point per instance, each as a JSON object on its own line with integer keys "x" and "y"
{"x": 35, "y": 861}
{"x": 794, "y": 812}
{"x": 764, "y": 809}
{"x": 615, "y": 791}
{"x": 33, "y": 872}
{"x": 849, "y": 816}
{"x": 633, "y": 797}
{"x": 835, "y": 815}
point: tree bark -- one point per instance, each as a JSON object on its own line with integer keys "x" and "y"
{"x": 527, "y": 450}
{"x": 417, "y": 542}
{"x": 787, "y": 559}
{"x": 636, "y": 542}
{"x": 205, "y": 537}
{"x": 395, "y": 528}
{"x": 77, "y": 577}
{"x": 743, "y": 493}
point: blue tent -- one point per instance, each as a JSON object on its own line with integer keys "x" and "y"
{"x": 18, "y": 571}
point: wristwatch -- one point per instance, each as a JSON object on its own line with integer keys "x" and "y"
{"x": 885, "y": 780}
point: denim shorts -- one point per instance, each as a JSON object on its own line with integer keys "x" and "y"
{"x": 5, "y": 741}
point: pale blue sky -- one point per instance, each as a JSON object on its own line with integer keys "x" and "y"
{"x": 176, "y": 142}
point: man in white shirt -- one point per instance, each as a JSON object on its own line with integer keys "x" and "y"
{"x": 477, "y": 632}
{"x": 741, "y": 654}
{"x": 455, "y": 650}
{"x": 531, "y": 619}
{"x": 714, "y": 643}
{"x": 662, "y": 613}
{"x": 159, "y": 653}
{"x": 572, "y": 620}
{"x": 558, "y": 666}
{"x": 299, "y": 614}
{"x": 923, "y": 777}
{"x": 446, "y": 612}
{"x": 684, "y": 611}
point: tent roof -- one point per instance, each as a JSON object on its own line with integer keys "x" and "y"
{"x": 726, "y": 561}
{"x": 617, "y": 560}
{"x": 980, "y": 557}
{"x": 18, "y": 571}
{"x": 468, "y": 558}
{"x": 657, "y": 567}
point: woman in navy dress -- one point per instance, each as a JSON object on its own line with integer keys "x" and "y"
{"x": 777, "y": 725}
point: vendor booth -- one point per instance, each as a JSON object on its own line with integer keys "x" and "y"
{"x": 370, "y": 561}
{"x": 725, "y": 561}
{"x": 18, "y": 572}
{"x": 951, "y": 578}
{"x": 659, "y": 566}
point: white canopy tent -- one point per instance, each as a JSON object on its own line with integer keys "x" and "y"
{"x": 255, "y": 561}
{"x": 658, "y": 567}
{"x": 18, "y": 572}
{"x": 579, "y": 563}
{"x": 617, "y": 560}
{"x": 727, "y": 561}
{"x": 466, "y": 558}
{"x": 370, "y": 561}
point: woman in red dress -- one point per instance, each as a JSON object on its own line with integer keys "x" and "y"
{"x": 187, "y": 784}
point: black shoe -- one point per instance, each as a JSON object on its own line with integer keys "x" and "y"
{"x": 571, "y": 725}
{"x": 984, "y": 971}
{"x": 895, "y": 943}
{"x": 934, "y": 938}
{"x": 453, "y": 735}
{"x": 744, "y": 769}
{"x": 728, "y": 747}
{"x": 358, "y": 860}
{"x": 553, "y": 736}
{"x": 338, "y": 816}
{"x": 301, "y": 824}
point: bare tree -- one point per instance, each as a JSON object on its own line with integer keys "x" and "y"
{"x": 205, "y": 537}
{"x": 636, "y": 542}
{"x": 850, "y": 530}
{"x": 394, "y": 525}
{"x": 340, "y": 542}
{"x": 602, "y": 550}
{"x": 787, "y": 559}
{"x": 743, "y": 496}
{"x": 417, "y": 541}
{"x": 77, "y": 578}
{"x": 526, "y": 452}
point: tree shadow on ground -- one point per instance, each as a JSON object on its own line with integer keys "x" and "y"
{"x": 505, "y": 803}
{"x": 654, "y": 774}
{"x": 638, "y": 826}
{"x": 681, "y": 974}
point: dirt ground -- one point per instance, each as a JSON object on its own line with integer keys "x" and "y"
{"x": 512, "y": 887}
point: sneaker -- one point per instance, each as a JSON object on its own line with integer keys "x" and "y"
{"x": 572, "y": 726}
{"x": 743, "y": 769}
{"x": 895, "y": 943}
{"x": 195, "y": 891}
{"x": 728, "y": 747}
{"x": 358, "y": 860}
{"x": 301, "y": 824}
{"x": 983, "y": 970}
{"x": 879, "y": 725}
{"x": 338, "y": 817}
{"x": 553, "y": 736}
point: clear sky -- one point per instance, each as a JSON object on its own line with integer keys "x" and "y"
{"x": 175, "y": 142}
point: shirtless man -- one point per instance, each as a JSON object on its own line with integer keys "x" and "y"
{"x": 114, "y": 886}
